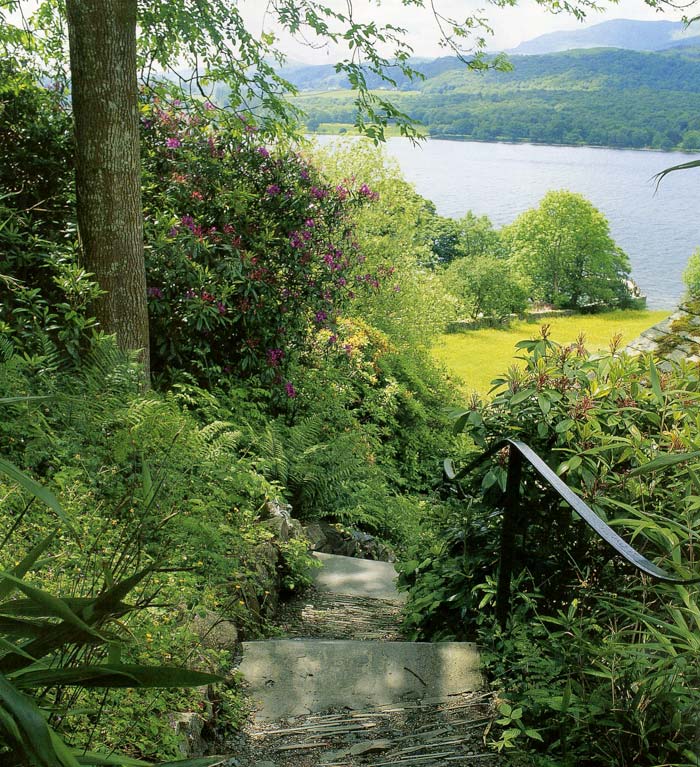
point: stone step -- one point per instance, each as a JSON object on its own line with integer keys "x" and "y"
{"x": 323, "y": 615}
{"x": 295, "y": 677}
{"x": 356, "y": 577}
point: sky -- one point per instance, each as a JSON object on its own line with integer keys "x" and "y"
{"x": 511, "y": 25}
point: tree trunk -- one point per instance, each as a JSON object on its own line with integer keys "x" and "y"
{"x": 102, "y": 38}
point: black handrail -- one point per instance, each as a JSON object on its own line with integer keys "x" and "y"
{"x": 516, "y": 452}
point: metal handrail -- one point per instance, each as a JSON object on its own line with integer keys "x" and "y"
{"x": 517, "y": 451}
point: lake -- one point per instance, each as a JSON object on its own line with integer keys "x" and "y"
{"x": 657, "y": 230}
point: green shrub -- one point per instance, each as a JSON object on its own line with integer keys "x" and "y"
{"x": 602, "y": 662}
{"x": 691, "y": 276}
{"x": 144, "y": 482}
{"x": 249, "y": 250}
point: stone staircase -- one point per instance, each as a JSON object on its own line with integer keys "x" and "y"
{"x": 341, "y": 690}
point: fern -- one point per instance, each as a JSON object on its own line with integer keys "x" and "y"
{"x": 319, "y": 476}
{"x": 7, "y": 349}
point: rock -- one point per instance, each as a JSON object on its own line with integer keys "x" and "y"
{"x": 317, "y": 539}
{"x": 189, "y": 725}
{"x": 215, "y": 632}
{"x": 279, "y": 527}
{"x": 275, "y": 508}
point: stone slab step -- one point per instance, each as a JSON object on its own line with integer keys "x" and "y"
{"x": 294, "y": 677}
{"x": 323, "y": 615}
{"x": 356, "y": 577}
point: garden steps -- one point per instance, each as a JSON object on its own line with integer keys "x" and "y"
{"x": 340, "y": 690}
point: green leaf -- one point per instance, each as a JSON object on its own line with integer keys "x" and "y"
{"x": 108, "y": 760}
{"x": 663, "y": 461}
{"x": 655, "y": 382}
{"x": 521, "y": 396}
{"x": 545, "y": 403}
{"x": 30, "y": 722}
{"x": 37, "y": 490}
{"x": 202, "y": 761}
{"x": 17, "y": 627}
{"x": 26, "y": 564}
{"x": 55, "y": 605}
{"x": 117, "y": 675}
{"x": 564, "y": 425}
{"x": 64, "y": 754}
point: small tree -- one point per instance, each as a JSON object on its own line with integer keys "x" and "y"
{"x": 691, "y": 276}
{"x": 564, "y": 250}
{"x": 469, "y": 236}
{"x": 486, "y": 286}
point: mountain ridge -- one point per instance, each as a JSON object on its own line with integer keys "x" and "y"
{"x": 627, "y": 34}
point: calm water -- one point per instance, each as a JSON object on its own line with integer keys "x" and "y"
{"x": 657, "y": 231}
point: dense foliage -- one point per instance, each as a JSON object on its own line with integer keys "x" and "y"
{"x": 249, "y": 250}
{"x": 563, "y": 249}
{"x": 292, "y": 302}
{"x": 600, "y": 97}
{"x": 599, "y": 663}
{"x": 269, "y": 391}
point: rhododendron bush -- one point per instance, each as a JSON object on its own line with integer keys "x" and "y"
{"x": 249, "y": 252}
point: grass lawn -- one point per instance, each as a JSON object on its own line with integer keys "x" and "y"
{"x": 479, "y": 356}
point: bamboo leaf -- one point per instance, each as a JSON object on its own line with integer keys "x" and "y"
{"x": 655, "y": 382}
{"x": 203, "y": 761}
{"x": 26, "y": 564}
{"x": 664, "y": 461}
{"x": 116, "y": 675}
{"x": 33, "y": 487}
{"x": 64, "y": 754}
{"x": 30, "y": 722}
{"x": 57, "y": 606}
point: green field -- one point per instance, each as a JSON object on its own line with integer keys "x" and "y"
{"x": 479, "y": 356}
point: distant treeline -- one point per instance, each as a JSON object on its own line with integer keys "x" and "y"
{"x": 603, "y": 97}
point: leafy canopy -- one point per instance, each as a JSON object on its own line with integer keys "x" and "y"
{"x": 565, "y": 249}
{"x": 202, "y": 43}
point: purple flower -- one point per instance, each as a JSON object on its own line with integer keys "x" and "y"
{"x": 209, "y": 106}
{"x": 173, "y": 231}
{"x": 333, "y": 340}
{"x": 320, "y": 317}
{"x": 291, "y": 391}
{"x": 173, "y": 143}
{"x": 306, "y": 234}
{"x": 274, "y": 357}
{"x": 154, "y": 292}
{"x": 318, "y": 193}
{"x": 304, "y": 174}
{"x": 365, "y": 191}
{"x": 221, "y": 307}
{"x": 295, "y": 240}
{"x": 188, "y": 221}
{"x": 310, "y": 223}
{"x": 273, "y": 190}
{"x": 263, "y": 152}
